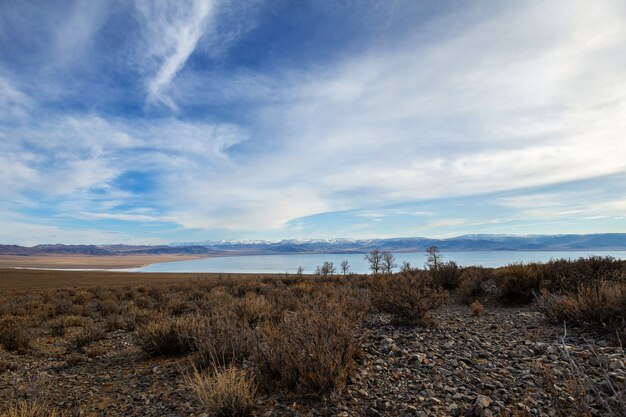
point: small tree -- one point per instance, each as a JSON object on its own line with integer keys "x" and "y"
{"x": 375, "y": 258}
{"x": 345, "y": 267}
{"x": 318, "y": 270}
{"x": 434, "y": 257}
{"x": 405, "y": 267}
{"x": 388, "y": 262}
{"x": 328, "y": 268}
{"x": 300, "y": 270}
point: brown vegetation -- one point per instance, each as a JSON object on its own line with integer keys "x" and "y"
{"x": 224, "y": 393}
{"x": 293, "y": 334}
{"x": 409, "y": 296}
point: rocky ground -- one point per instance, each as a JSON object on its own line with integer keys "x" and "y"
{"x": 465, "y": 365}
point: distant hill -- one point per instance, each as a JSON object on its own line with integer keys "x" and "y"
{"x": 105, "y": 250}
{"x": 604, "y": 241}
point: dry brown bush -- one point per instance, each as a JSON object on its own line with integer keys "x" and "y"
{"x": 87, "y": 335}
{"x": 169, "y": 336}
{"x": 13, "y": 334}
{"x": 59, "y": 325}
{"x": 563, "y": 275}
{"x": 222, "y": 338}
{"x": 446, "y": 275}
{"x": 409, "y": 296}
{"x": 224, "y": 393}
{"x": 471, "y": 283}
{"x": 177, "y": 306}
{"x": 518, "y": 283}
{"x": 477, "y": 309}
{"x": 602, "y": 305}
{"x": 311, "y": 349}
{"x": 252, "y": 308}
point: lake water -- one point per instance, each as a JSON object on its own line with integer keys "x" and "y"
{"x": 265, "y": 264}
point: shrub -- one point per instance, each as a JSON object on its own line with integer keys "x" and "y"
{"x": 222, "y": 338}
{"x": 477, "y": 309}
{"x": 310, "y": 350}
{"x": 409, "y": 296}
{"x": 563, "y": 275}
{"x": 603, "y": 305}
{"x": 518, "y": 283}
{"x": 59, "y": 325}
{"x": 177, "y": 307}
{"x": 225, "y": 393}
{"x": 252, "y": 308}
{"x": 87, "y": 335}
{"x": 471, "y": 283}
{"x": 446, "y": 275}
{"x": 170, "y": 336}
{"x": 13, "y": 335}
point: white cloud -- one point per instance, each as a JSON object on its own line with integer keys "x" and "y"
{"x": 172, "y": 30}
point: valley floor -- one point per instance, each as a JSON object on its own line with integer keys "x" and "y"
{"x": 465, "y": 365}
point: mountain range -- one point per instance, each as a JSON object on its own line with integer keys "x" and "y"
{"x": 603, "y": 241}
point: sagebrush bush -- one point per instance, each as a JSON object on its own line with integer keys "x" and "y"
{"x": 13, "y": 334}
{"x": 409, "y": 296}
{"x": 601, "y": 305}
{"x": 86, "y": 335}
{"x": 252, "y": 308}
{"x": 446, "y": 275}
{"x": 309, "y": 350}
{"x": 518, "y": 283}
{"x": 169, "y": 336}
{"x": 564, "y": 275}
{"x": 223, "y": 338}
{"x": 226, "y": 392}
{"x": 59, "y": 325}
{"x": 471, "y": 283}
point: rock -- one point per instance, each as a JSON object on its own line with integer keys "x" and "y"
{"x": 372, "y": 412}
{"x": 483, "y": 401}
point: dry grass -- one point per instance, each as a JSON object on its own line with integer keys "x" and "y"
{"x": 224, "y": 393}
{"x": 31, "y": 409}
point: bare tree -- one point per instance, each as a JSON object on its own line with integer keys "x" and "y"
{"x": 434, "y": 257}
{"x": 388, "y": 262}
{"x": 328, "y": 268}
{"x": 318, "y": 270}
{"x": 345, "y": 267}
{"x": 406, "y": 266}
{"x": 375, "y": 258}
{"x": 300, "y": 270}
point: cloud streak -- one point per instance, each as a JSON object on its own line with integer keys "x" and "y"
{"x": 172, "y": 31}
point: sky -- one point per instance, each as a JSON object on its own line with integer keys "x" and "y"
{"x": 150, "y": 122}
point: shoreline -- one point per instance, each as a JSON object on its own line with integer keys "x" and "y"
{"x": 88, "y": 262}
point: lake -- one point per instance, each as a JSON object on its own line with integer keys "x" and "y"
{"x": 265, "y": 264}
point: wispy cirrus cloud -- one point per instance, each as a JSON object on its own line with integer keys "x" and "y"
{"x": 171, "y": 32}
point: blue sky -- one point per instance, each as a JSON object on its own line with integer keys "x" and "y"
{"x": 162, "y": 121}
